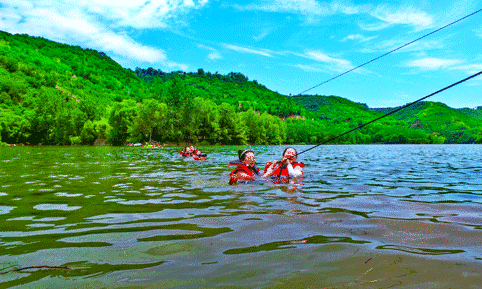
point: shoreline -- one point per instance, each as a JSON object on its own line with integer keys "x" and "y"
{"x": 171, "y": 145}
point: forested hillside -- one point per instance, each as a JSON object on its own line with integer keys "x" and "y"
{"x": 453, "y": 125}
{"x": 53, "y": 93}
{"x": 347, "y": 114}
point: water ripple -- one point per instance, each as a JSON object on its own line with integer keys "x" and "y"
{"x": 131, "y": 211}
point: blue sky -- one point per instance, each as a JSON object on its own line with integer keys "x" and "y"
{"x": 286, "y": 45}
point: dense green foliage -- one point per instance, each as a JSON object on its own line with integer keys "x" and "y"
{"x": 52, "y": 93}
{"x": 348, "y": 115}
{"x": 452, "y": 125}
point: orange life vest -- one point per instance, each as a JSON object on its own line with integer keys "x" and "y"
{"x": 282, "y": 171}
{"x": 242, "y": 167}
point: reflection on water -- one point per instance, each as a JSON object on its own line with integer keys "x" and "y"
{"x": 104, "y": 215}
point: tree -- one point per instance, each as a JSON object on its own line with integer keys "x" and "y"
{"x": 151, "y": 115}
{"x": 121, "y": 117}
{"x": 13, "y": 128}
{"x": 255, "y": 128}
{"x": 101, "y": 127}
{"x": 231, "y": 128}
{"x": 176, "y": 101}
{"x": 88, "y": 133}
{"x": 275, "y": 131}
{"x": 206, "y": 124}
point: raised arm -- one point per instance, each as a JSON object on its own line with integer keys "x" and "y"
{"x": 270, "y": 169}
{"x": 294, "y": 172}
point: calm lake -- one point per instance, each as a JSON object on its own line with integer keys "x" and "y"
{"x": 375, "y": 216}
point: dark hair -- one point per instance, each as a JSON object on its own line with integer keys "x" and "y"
{"x": 242, "y": 154}
{"x": 296, "y": 153}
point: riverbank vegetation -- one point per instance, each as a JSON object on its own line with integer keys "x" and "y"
{"x": 52, "y": 93}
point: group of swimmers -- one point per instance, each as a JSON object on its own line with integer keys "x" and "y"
{"x": 279, "y": 171}
{"x": 246, "y": 169}
{"x": 191, "y": 151}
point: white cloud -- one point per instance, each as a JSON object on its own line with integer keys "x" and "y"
{"x": 403, "y": 15}
{"x": 431, "y": 63}
{"x": 374, "y": 26}
{"x": 73, "y": 21}
{"x": 390, "y": 16}
{"x": 358, "y": 37}
{"x": 421, "y": 46}
{"x": 313, "y": 11}
{"x": 478, "y": 32}
{"x": 98, "y": 24}
{"x": 469, "y": 68}
{"x": 262, "y": 35}
{"x": 139, "y": 14}
{"x": 309, "y": 68}
{"x": 262, "y": 52}
{"x": 335, "y": 63}
{"x": 290, "y": 6}
{"x": 214, "y": 54}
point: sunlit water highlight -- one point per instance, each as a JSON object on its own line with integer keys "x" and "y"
{"x": 108, "y": 216}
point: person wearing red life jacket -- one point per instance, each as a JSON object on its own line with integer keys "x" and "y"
{"x": 246, "y": 169}
{"x": 186, "y": 152}
{"x": 287, "y": 168}
{"x": 194, "y": 150}
{"x": 197, "y": 154}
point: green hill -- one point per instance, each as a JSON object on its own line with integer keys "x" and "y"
{"x": 338, "y": 111}
{"x": 52, "y": 93}
{"x": 477, "y": 112}
{"x": 233, "y": 88}
{"x": 346, "y": 110}
{"x": 430, "y": 120}
{"x": 454, "y": 125}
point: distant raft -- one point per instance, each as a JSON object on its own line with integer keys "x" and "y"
{"x": 197, "y": 157}
{"x": 153, "y": 146}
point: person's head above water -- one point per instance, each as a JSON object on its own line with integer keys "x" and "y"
{"x": 247, "y": 157}
{"x": 187, "y": 150}
{"x": 290, "y": 153}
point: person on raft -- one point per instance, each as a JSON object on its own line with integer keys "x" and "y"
{"x": 190, "y": 151}
{"x": 286, "y": 168}
{"x": 186, "y": 152}
{"x": 196, "y": 152}
{"x": 246, "y": 169}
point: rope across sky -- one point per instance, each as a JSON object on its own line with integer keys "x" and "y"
{"x": 391, "y": 51}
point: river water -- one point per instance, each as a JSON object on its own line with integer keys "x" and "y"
{"x": 377, "y": 216}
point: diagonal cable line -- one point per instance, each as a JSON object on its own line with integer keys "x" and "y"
{"x": 395, "y": 110}
{"x": 398, "y": 48}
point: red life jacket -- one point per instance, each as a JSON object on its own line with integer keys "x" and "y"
{"x": 242, "y": 167}
{"x": 282, "y": 171}
{"x": 197, "y": 156}
{"x": 195, "y": 152}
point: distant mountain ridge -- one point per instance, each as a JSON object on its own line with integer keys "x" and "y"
{"x": 432, "y": 117}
